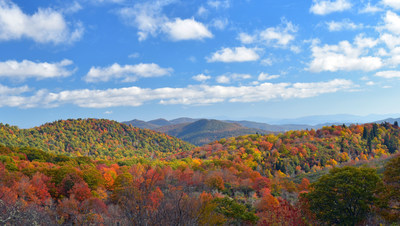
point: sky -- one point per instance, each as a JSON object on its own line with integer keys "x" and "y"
{"x": 232, "y": 59}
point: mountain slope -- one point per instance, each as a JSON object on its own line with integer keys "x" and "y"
{"x": 99, "y": 138}
{"x": 273, "y": 128}
{"x": 141, "y": 124}
{"x": 205, "y": 131}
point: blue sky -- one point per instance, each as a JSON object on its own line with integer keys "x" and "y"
{"x": 233, "y": 59}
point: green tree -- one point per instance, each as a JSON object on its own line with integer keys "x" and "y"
{"x": 237, "y": 212}
{"x": 345, "y": 196}
{"x": 390, "y": 197}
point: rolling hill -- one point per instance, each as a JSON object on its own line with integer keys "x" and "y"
{"x": 205, "y": 131}
{"x": 98, "y": 138}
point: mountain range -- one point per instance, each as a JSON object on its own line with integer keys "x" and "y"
{"x": 197, "y": 131}
{"x": 203, "y": 131}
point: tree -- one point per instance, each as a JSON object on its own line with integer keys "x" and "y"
{"x": 345, "y": 196}
{"x": 236, "y": 212}
{"x": 390, "y": 196}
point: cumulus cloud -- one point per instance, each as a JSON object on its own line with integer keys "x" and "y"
{"x": 265, "y": 76}
{"x": 246, "y": 38}
{"x": 201, "y": 77}
{"x": 44, "y": 26}
{"x": 4, "y": 90}
{"x": 187, "y": 29}
{"x": 147, "y": 17}
{"x": 28, "y": 69}
{"x": 370, "y": 9}
{"x": 324, "y": 7}
{"x": 345, "y": 56}
{"x": 395, "y": 4}
{"x": 390, "y": 40}
{"x": 388, "y": 74}
{"x": 129, "y": 73}
{"x": 223, "y": 79}
{"x": 150, "y": 20}
{"x": 280, "y": 36}
{"x": 190, "y": 95}
{"x": 392, "y": 22}
{"x": 228, "y": 78}
{"x": 343, "y": 25}
{"x": 237, "y": 54}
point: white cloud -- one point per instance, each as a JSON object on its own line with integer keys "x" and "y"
{"x": 228, "y": 78}
{"x": 370, "y": 9}
{"x": 223, "y": 79}
{"x": 388, "y": 74}
{"x": 395, "y": 4}
{"x": 393, "y": 57}
{"x": 343, "y": 25}
{"x": 390, "y": 40}
{"x": 44, "y": 26}
{"x": 108, "y": 112}
{"x": 246, "y": 38}
{"x": 344, "y": 57}
{"x": 150, "y": 20}
{"x": 201, "y": 77}
{"x": 392, "y": 22}
{"x": 324, "y": 7}
{"x": 107, "y": 1}
{"x": 4, "y": 90}
{"x": 265, "y": 76}
{"x": 28, "y": 69}
{"x": 266, "y": 62}
{"x": 370, "y": 83}
{"x": 364, "y": 42}
{"x": 129, "y": 73}
{"x": 72, "y": 8}
{"x": 187, "y": 29}
{"x": 134, "y": 55}
{"x": 190, "y": 95}
{"x": 280, "y": 35}
{"x": 237, "y": 54}
{"x": 217, "y": 4}
{"x": 147, "y": 17}
{"x": 202, "y": 11}
{"x": 220, "y": 23}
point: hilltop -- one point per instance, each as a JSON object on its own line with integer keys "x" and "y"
{"x": 98, "y": 138}
{"x": 206, "y": 131}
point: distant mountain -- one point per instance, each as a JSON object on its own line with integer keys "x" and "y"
{"x": 389, "y": 120}
{"x": 183, "y": 120}
{"x": 337, "y": 119}
{"x": 205, "y": 131}
{"x": 269, "y": 127}
{"x": 141, "y": 124}
{"x": 160, "y": 122}
{"x": 99, "y": 138}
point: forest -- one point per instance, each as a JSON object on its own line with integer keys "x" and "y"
{"x": 100, "y": 172}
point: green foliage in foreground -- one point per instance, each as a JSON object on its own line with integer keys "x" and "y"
{"x": 345, "y": 196}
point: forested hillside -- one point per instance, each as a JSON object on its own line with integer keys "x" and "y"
{"x": 98, "y": 138}
{"x": 297, "y": 152}
{"x": 248, "y": 180}
{"x": 205, "y": 131}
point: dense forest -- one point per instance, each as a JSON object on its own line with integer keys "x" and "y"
{"x": 98, "y": 138}
{"x": 254, "y": 179}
